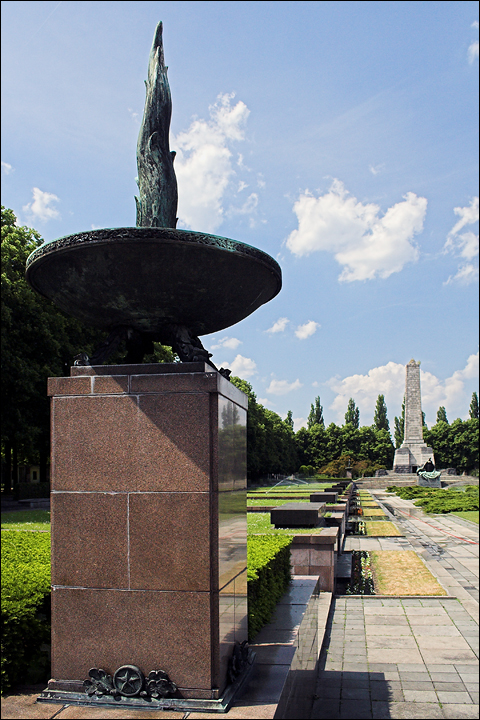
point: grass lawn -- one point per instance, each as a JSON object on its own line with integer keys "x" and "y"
{"x": 259, "y": 524}
{"x": 296, "y": 489}
{"x": 378, "y": 528}
{"x": 402, "y": 572}
{"x": 372, "y": 512}
{"x": 270, "y": 500}
{"x": 471, "y": 515}
{"x": 36, "y": 520}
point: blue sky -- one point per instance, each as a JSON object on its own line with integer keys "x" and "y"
{"x": 339, "y": 137}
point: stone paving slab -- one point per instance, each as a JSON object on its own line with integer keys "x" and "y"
{"x": 421, "y": 653}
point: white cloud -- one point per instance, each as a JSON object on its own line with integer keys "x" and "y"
{"x": 365, "y": 244}
{"x": 247, "y": 208}
{"x": 279, "y": 325}
{"x": 41, "y": 206}
{"x": 203, "y": 163}
{"x": 375, "y": 169}
{"x": 282, "y": 387}
{"x": 299, "y": 423}
{"x": 242, "y": 367}
{"x": 6, "y": 168}
{"x": 464, "y": 244}
{"x": 465, "y": 275}
{"x": 266, "y": 402}
{"x": 389, "y": 380}
{"x": 473, "y": 52}
{"x": 304, "y": 331}
{"x": 227, "y": 342}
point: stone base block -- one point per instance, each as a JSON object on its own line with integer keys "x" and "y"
{"x": 315, "y": 555}
{"x": 326, "y": 497}
{"x": 292, "y": 515}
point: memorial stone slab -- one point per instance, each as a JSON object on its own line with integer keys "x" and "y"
{"x": 292, "y": 515}
{"x": 327, "y": 497}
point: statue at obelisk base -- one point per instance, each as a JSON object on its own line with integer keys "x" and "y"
{"x": 413, "y": 452}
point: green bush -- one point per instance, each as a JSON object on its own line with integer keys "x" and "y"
{"x": 23, "y": 491}
{"x": 268, "y": 577}
{"x": 25, "y": 607}
{"x": 439, "y": 500}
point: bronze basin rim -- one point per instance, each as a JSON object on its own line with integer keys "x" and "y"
{"x": 256, "y": 274}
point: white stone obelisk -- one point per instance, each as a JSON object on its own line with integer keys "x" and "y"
{"x": 413, "y": 452}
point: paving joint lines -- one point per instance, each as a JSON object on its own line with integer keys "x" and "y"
{"x": 444, "y": 554}
{"x": 397, "y": 658}
{"x": 406, "y": 657}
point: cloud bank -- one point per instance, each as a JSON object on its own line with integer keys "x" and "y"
{"x": 204, "y": 165}
{"x": 389, "y": 380}
{"x": 365, "y": 244}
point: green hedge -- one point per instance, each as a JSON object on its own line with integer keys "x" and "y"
{"x": 268, "y": 577}
{"x": 25, "y": 607}
{"x": 23, "y": 491}
{"x": 437, "y": 500}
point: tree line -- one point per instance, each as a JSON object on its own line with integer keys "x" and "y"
{"x": 39, "y": 341}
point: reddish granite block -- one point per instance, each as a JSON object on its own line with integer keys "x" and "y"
{"x": 174, "y": 443}
{"x": 95, "y": 443}
{"x": 89, "y": 540}
{"x": 109, "y": 385}
{"x": 201, "y": 382}
{"x": 110, "y": 628}
{"x": 170, "y": 541}
{"x": 161, "y": 453}
{"x": 69, "y": 386}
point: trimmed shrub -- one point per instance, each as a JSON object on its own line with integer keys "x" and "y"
{"x": 437, "y": 500}
{"x": 25, "y": 607}
{"x": 24, "y": 491}
{"x": 268, "y": 577}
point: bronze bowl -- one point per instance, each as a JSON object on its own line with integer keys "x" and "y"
{"x": 146, "y": 278}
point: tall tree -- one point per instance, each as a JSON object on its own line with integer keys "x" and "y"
{"x": 442, "y": 415}
{"x": 271, "y": 446}
{"x": 289, "y": 419}
{"x": 38, "y": 341}
{"x": 352, "y": 416}
{"x": 380, "y": 419}
{"x": 315, "y": 416}
{"x": 474, "y": 407}
{"x": 400, "y": 426}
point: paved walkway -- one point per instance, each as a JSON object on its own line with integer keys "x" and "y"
{"x": 407, "y": 657}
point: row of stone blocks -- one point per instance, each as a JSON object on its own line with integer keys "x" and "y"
{"x": 316, "y": 554}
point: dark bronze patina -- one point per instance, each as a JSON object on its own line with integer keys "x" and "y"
{"x": 154, "y": 283}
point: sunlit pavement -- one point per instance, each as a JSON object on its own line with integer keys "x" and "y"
{"x": 407, "y": 657}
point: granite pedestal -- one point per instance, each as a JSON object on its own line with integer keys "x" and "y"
{"x": 149, "y": 539}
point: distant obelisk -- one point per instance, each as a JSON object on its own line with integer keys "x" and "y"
{"x": 413, "y": 452}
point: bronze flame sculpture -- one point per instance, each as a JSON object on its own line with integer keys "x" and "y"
{"x": 154, "y": 282}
